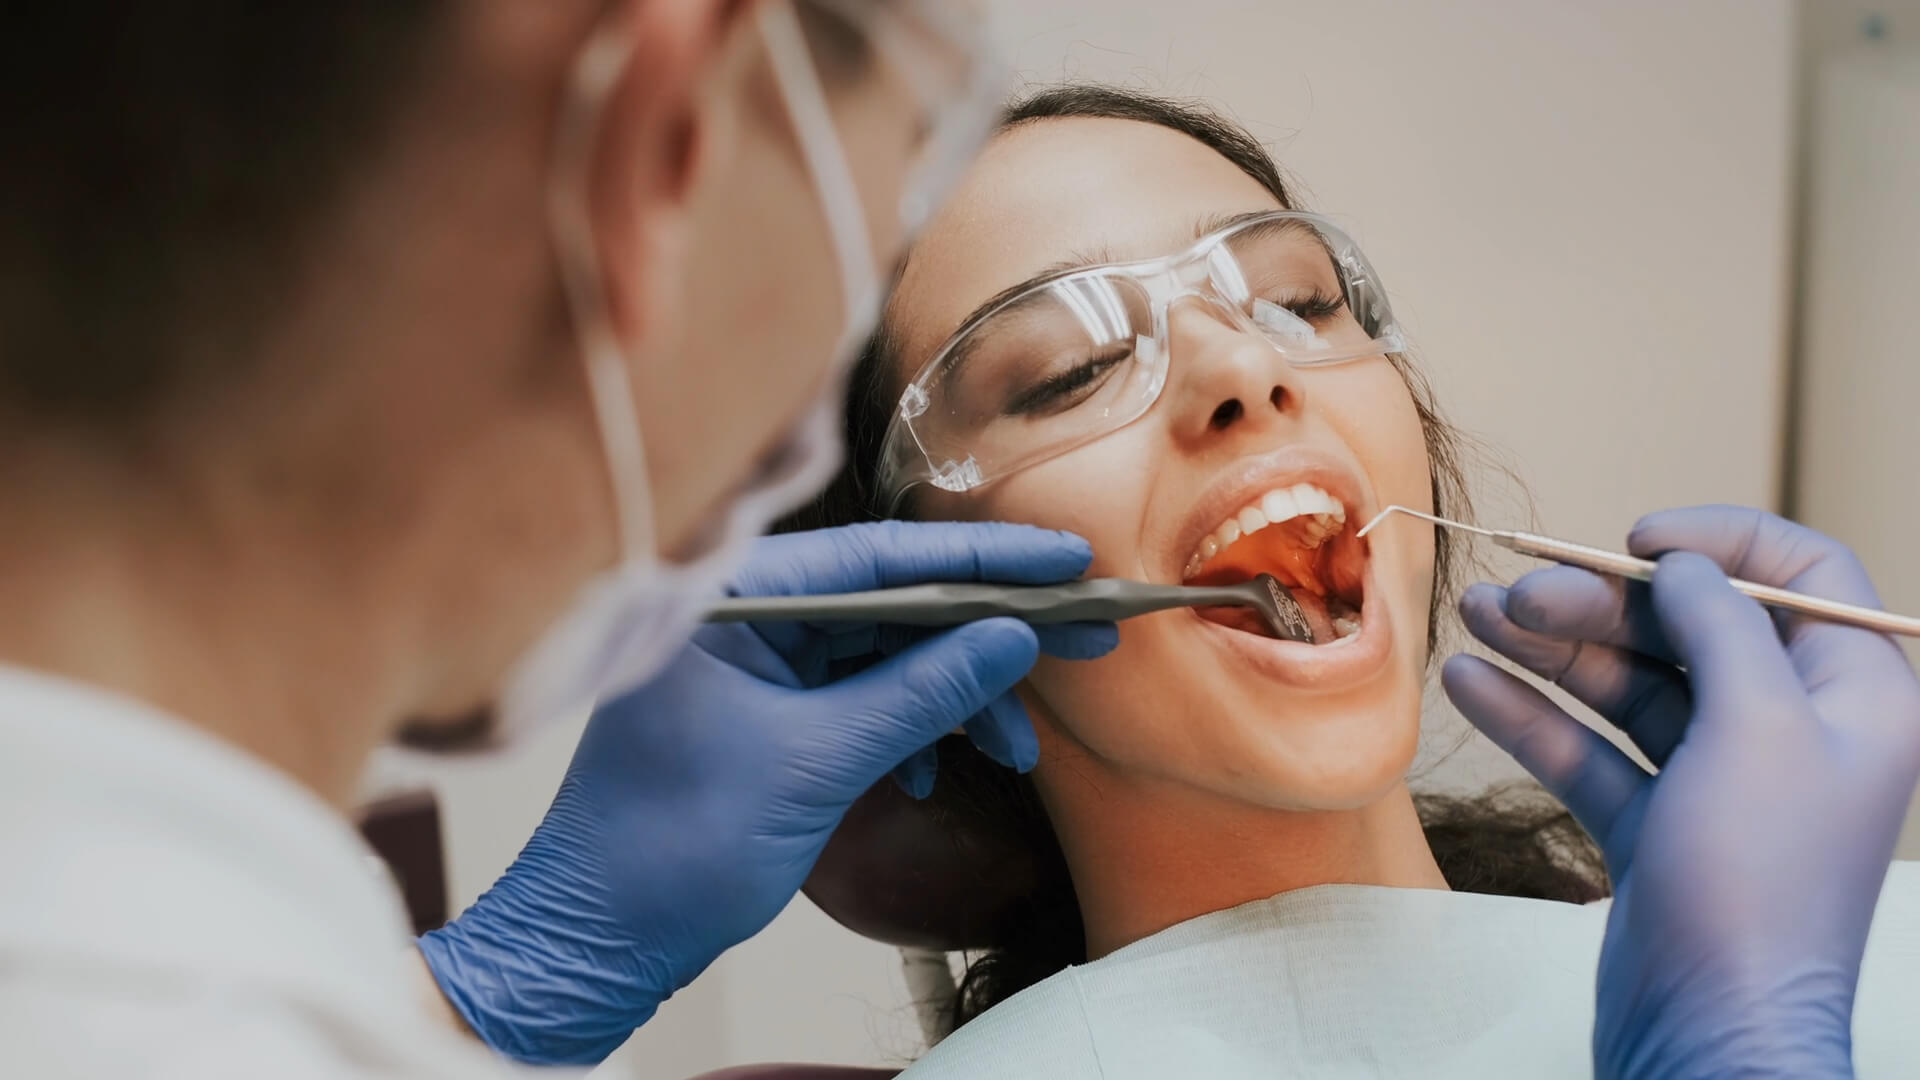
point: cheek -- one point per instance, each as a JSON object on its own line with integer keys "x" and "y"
{"x": 1370, "y": 408}
{"x": 1100, "y": 492}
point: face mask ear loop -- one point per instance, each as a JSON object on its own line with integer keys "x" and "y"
{"x": 600, "y": 66}
{"x": 826, "y": 160}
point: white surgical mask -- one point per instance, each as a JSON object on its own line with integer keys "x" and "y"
{"x": 631, "y": 620}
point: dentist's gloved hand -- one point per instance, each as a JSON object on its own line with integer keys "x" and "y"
{"x": 1746, "y": 872}
{"x": 695, "y": 808}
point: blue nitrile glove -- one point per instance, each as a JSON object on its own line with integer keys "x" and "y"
{"x": 1746, "y": 872}
{"x": 695, "y": 807}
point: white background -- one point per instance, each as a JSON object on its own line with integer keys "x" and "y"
{"x": 1586, "y": 214}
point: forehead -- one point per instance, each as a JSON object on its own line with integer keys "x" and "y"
{"x": 1055, "y": 190}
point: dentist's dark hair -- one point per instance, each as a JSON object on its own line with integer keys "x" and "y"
{"x": 164, "y": 169}
{"x": 1513, "y": 841}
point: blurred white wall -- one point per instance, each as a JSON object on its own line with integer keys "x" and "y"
{"x": 1859, "y": 377}
{"x": 1583, "y": 211}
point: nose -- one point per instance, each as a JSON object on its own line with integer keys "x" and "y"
{"x": 1224, "y": 376}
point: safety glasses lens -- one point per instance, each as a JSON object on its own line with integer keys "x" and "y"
{"x": 1082, "y": 355}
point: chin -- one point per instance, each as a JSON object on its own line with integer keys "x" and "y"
{"x": 1344, "y": 760}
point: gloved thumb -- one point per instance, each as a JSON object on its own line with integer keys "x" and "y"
{"x": 898, "y": 707}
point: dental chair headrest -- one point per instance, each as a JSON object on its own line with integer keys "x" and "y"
{"x": 920, "y": 874}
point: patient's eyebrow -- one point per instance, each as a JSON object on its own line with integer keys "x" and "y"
{"x": 1214, "y": 223}
{"x": 1206, "y": 226}
{"x": 1004, "y": 299}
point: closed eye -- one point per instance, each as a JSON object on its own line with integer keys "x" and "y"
{"x": 1314, "y": 306}
{"x": 1065, "y": 389}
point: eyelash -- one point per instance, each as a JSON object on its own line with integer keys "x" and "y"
{"x": 1047, "y": 393}
{"x": 1314, "y": 305}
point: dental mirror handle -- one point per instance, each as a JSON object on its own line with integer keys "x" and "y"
{"x": 953, "y": 603}
{"x": 1626, "y": 566}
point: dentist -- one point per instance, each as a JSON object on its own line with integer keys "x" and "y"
{"x": 375, "y": 371}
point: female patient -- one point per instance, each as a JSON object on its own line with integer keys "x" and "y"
{"x": 1122, "y": 326}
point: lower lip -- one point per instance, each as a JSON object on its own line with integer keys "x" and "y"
{"x": 1336, "y": 666}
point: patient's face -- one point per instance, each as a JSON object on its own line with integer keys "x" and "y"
{"x": 1200, "y": 699}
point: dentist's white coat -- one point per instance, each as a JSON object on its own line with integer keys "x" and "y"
{"x": 171, "y": 908}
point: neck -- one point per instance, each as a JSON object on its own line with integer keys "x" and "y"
{"x": 110, "y": 582}
{"x": 1147, "y": 854}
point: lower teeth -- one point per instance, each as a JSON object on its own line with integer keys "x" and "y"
{"x": 1345, "y": 618}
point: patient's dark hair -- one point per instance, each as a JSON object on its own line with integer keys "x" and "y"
{"x": 1513, "y": 841}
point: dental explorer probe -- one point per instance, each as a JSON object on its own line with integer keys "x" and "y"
{"x": 1619, "y": 564}
{"x": 953, "y": 603}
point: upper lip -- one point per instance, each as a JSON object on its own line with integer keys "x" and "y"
{"x": 1249, "y": 478}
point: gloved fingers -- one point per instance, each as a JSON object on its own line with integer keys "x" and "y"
{"x": 1067, "y": 641}
{"x": 1760, "y": 547}
{"x": 900, "y": 705}
{"x": 1771, "y": 550}
{"x": 1646, "y": 699}
{"x": 1861, "y": 683}
{"x": 1859, "y": 680}
{"x": 1580, "y": 605}
{"x": 915, "y": 776}
{"x": 1735, "y": 662}
{"x": 1004, "y": 732}
{"x": 729, "y": 643}
{"x": 1078, "y": 641}
{"x": 1582, "y": 769}
{"x": 836, "y": 646}
{"x": 872, "y": 640}
{"x": 884, "y": 554}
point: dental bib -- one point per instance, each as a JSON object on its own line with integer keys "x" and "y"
{"x": 1352, "y": 981}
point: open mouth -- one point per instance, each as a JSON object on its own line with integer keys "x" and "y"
{"x": 1303, "y": 536}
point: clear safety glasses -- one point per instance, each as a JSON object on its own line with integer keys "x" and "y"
{"x": 1072, "y": 357}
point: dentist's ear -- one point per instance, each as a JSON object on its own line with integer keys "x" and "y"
{"x": 669, "y": 119}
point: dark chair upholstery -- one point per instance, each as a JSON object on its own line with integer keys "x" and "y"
{"x": 405, "y": 832}
{"x": 899, "y": 871}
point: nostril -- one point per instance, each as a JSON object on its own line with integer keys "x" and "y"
{"x": 1278, "y": 397}
{"x": 1227, "y": 413}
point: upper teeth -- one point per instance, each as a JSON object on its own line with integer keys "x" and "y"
{"x": 1325, "y": 516}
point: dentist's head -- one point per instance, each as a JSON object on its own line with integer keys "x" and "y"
{"x": 369, "y": 366}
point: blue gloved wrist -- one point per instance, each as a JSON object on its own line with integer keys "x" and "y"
{"x": 1727, "y": 1017}
{"x": 1774, "y": 1046}
{"x": 535, "y": 966}
{"x": 510, "y": 1004}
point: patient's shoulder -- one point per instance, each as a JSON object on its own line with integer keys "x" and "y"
{"x": 1885, "y": 1040}
{"x": 1040, "y": 1032}
{"x": 1903, "y": 882}
{"x": 1896, "y": 921}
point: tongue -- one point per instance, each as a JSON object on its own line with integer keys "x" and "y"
{"x": 1315, "y": 609}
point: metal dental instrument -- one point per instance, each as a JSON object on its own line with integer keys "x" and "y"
{"x": 952, "y": 603}
{"x": 1627, "y": 566}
